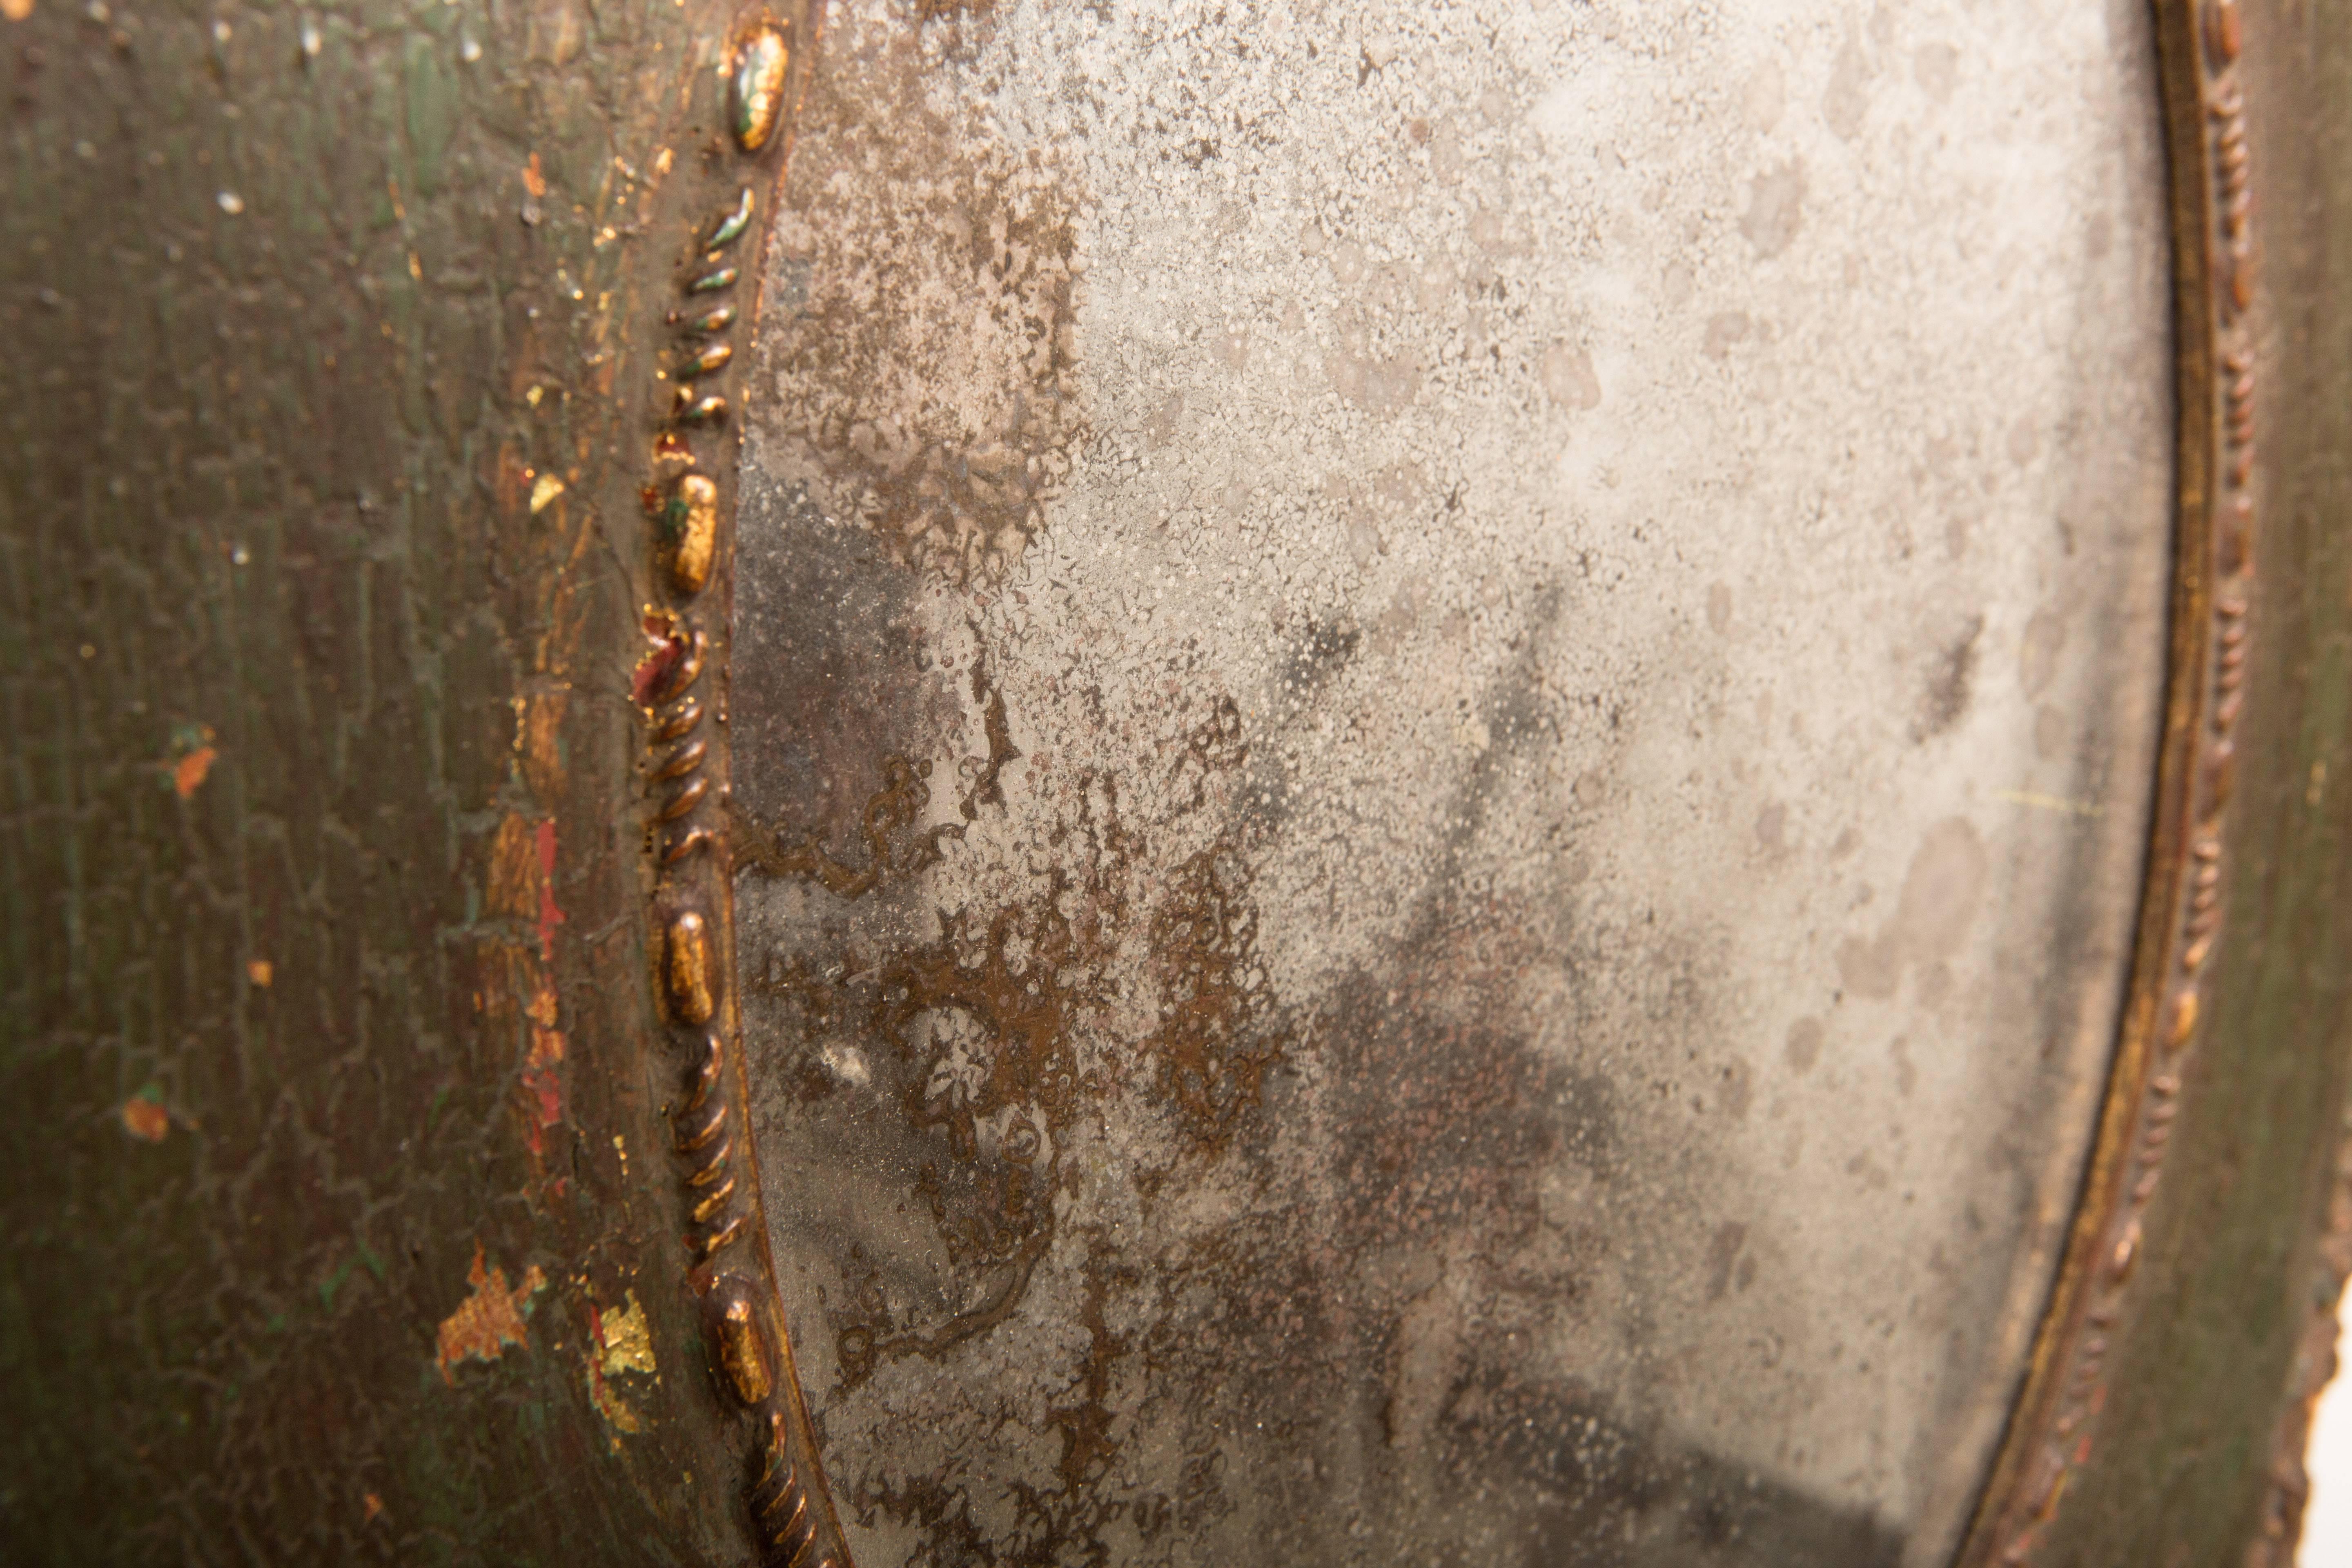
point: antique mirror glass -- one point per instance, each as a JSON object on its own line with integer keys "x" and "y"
{"x": 1443, "y": 720}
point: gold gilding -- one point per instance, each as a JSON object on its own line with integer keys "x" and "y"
{"x": 760, "y": 86}
{"x": 743, "y": 1352}
{"x": 688, "y": 969}
{"x": 627, "y": 1343}
{"x": 698, "y": 538}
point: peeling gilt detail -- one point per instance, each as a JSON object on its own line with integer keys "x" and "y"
{"x": 2056, "y": 1428}
{"x": 685, "y": 770}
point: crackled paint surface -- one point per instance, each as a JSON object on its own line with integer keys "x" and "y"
{"x": 1442, "y": 725}
{"x": 331, "y": 333}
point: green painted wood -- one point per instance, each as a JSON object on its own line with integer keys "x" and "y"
{"x": 277, "y": 291}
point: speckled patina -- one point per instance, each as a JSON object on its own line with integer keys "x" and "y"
{"x": 1443, "y": 721}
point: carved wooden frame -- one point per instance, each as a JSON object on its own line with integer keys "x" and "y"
{"x": 320, "y": 482}
{"x": 2101, "y": 1293}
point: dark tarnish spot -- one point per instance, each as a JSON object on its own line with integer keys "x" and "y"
{"x": 1445, "y": 1125}
{"x": 1602, "y": 1493}
{"x": 924, "y": 390}
{"x": 1948, "y": 678}
{"x": 821, "y": 699}
{"x": 1321, "y": 652}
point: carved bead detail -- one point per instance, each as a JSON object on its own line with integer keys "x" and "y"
{"x": 693, "y": 841}
{"x": 730, "y": 228}
{"x": 717, "y": 319}
{"x": 698, "y": 536}
{"x": 758, "y": 86}
{"x": 684, "y": 767}
{"x": 685, "y": 760}
{"x": 682, "y": 719}
{"x": 707, "y": 1243}
{"x": 2182, "y": 1019}
{"x": 685, "y": 798}
{"x": 687, "y": 969}
{"x": 704, "y": 361}
{"x": 742, "y": 1348}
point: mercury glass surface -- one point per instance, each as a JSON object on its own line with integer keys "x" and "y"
{"x": 1444, "y": 716}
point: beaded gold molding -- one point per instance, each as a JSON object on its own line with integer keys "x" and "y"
{"x": 2053, "y": 1427}
{"x": 679, "y": 686}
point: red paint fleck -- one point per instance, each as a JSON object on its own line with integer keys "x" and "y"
{"x": 549, "y": 916}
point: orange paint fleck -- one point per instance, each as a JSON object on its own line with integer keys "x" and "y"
{"x": 489, "y": 1320}
{"x": 369, "y": 1507}
{"x": 188, "y": 772}
{"x": 193, "y": 755}
{"x": 533, "y": 180}
{"x": 259, "y": 972}
{"x": 145, "y": 1118}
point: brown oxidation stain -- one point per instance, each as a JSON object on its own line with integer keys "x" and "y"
{"x": 898, "y": 805}
{"x": 924, "y": 387}
{"x": 980, "y": 1019}
{"x": 1222, "y": 1029}
{"x": 486, "y": 1321}
{"x": 1355, "y": 1223}
{"x": 995, "y": 1021}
